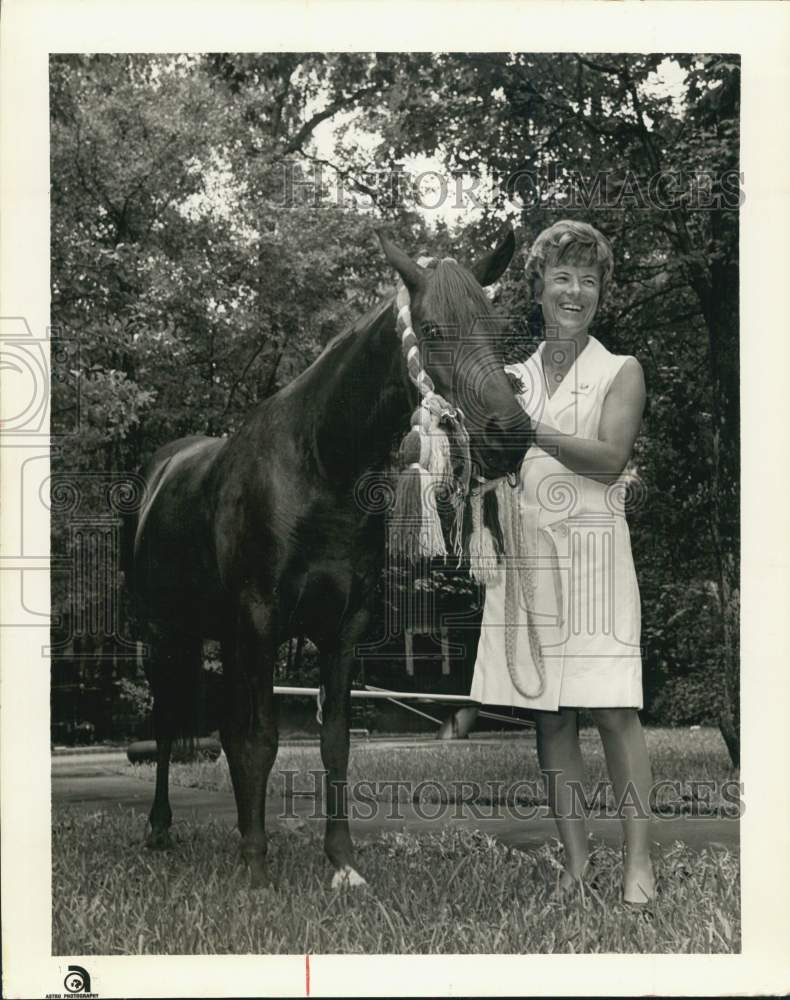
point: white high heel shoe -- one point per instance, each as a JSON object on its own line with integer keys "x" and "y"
{"x": 638, "y": 889}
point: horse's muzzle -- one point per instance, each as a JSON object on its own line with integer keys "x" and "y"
{"x": 500, "y": 450}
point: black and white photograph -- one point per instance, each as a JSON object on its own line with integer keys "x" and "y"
{"x": 390, "y": 526}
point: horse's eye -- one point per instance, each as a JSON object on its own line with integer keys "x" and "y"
{"x": 430, "y": 330}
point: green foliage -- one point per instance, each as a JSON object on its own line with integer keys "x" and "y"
{"x": 136, "y": 695}
{"x": 193, "y": 257}
{"x": 687, "y": 668}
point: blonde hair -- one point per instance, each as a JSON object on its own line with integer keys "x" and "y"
{"x": 569, "y": 242}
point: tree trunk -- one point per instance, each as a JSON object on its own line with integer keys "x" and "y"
{"x": 730, "y": 733}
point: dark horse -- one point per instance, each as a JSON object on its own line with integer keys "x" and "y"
{"x": 258, "y": 537}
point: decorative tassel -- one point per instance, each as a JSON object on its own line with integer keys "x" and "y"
{"x": 416, "y": 531}
{"x": 431, "y": 535}
{"x": 439, "y": 462}
{"x": 406, "y": 518}
{"x": 483, "y": 563}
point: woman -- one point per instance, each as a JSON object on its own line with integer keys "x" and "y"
{"x": 566, "y": 635}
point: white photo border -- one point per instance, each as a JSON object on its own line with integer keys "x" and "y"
{"x": 760, "y": 33}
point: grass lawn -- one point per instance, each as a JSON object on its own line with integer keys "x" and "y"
{"x": 456, "y": 891}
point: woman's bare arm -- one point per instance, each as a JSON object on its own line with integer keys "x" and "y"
{"x": 604, "y": 459}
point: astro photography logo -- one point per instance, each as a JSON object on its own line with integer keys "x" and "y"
{"x": 78, "y": 980}
{"x": 77, "y": 983}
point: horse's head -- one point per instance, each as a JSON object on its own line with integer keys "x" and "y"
{"x": 460, "y": 347}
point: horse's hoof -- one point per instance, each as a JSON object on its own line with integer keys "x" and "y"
{"x": 260, "y": 879}
{"x": 259, "y": 873}
{"x": 347, "y": 878}
{"x": 159, "y": 840}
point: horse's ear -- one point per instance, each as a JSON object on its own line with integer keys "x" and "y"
{"x": 490, "y": 268}
{"x": 411, "y": 273}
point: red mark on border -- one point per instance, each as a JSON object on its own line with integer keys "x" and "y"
{"x": 307, "y": 975}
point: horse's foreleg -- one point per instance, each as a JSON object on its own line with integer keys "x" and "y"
{"x": 249, "y": 738}
{"x": 336, "y": 673}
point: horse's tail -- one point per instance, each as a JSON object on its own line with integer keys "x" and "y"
{"x": 170, "y": 659}
{"x": 171, "y": 650}
{"x": 174, "y": 671}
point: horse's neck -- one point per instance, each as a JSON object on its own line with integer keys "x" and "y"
{"x": 357, "y": 398}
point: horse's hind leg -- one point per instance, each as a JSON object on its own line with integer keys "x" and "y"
{"x": 173, "y": 670}
{"x": 249, "y": 735}
{"x": 161, "y": 815}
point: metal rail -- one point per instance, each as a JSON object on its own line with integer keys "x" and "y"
{"x": 450, "y": 699}
{"x": 398, "y": 697}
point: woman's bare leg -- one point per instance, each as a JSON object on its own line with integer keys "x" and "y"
{"x": 629, "y": 768}
{"x": 561, "y": 762}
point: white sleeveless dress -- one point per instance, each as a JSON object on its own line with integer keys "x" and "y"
{"x": 584, "y": 605}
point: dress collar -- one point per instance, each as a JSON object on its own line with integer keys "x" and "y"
{"x": 574, "y": 378}
{"x": 535, "y": 398}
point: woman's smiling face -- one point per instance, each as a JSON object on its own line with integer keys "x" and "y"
{"x": 569, "y": 296}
